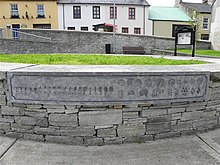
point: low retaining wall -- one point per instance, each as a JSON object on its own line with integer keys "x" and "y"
{"x": 96, "y": 105}
{"x": 84, "y": 42}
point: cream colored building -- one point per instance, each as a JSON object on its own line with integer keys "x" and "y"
{"x": 203, "y": 16}
{"x": 165, "y": 19}
{"x": 17, "y": 14}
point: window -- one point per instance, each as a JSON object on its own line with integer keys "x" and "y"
{"x": 204, "y": 36}
{"x": 112, "y": 12}
{"x": 131, "y": 13}
{"x": 23, "y": 25}
{"x": 84, "y": 28}
{"x": 96, "y": 12}
{"x": 40, "y": 11}
{"x": 14, "y": 11}
{"x": 205, "y": 24}
{"x": 76, "y": 12}
{"x": 71, "y": 28}
{"x": 124, "y": 30}
{"x": 137, "y": 30}
{"x": 42, "y": 26}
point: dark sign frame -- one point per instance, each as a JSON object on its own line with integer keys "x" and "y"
{"x": 185, "y": 36}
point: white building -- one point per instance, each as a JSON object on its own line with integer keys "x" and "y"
{"x": 215, "y": 25}
{"x": 131, "y": 16}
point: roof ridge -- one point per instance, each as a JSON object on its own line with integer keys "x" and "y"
{"x": 119, "y": 2}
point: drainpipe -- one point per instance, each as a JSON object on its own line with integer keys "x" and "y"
{"x": 144, "y": 23}
{"x": 114, "y": 39}
{"x": 153, "y": 28}
{"x": 63, "y": 18}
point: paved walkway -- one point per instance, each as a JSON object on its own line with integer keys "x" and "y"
{"x": 210, "y": 59}
{"x": 201, "y": 149}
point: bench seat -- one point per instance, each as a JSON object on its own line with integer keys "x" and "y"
{"x": 133, "y": 50}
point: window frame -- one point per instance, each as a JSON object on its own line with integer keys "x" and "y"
{"x": 77, "y": 12}
{"x": 204, "y": 23}
{"x": 205, "y": 37}
{"x": 96, "y": 10}
{"x": 42, "y": 26}
{"x": 84, "y": 28}
{"x": 71, "y": 28}
{"x": 125, "y": 30}
{"x": 41, "y": 12}
{"x": 112, "y": 12}
{"x": 14, "y": 10}
{"x": 137, "y": 29}
{"x": 131, "y": 13}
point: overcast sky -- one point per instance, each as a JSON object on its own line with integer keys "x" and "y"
{"x": 168, "y": 2}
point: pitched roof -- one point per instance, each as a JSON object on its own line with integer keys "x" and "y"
{"x": 119, "y": 2}
{"x": 167, "y": 14}
{"x": 199, "y": 7}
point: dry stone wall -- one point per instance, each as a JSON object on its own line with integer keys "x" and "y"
{"x": 107, "y": 123}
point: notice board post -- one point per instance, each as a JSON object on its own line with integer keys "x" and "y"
{"x": 185, "y": 36}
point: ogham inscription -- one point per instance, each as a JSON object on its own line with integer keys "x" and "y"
{"x": 107, "y": 88}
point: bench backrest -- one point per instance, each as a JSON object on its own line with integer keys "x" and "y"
{"x": 133, "y": 48}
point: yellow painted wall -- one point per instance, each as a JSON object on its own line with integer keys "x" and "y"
{"x": 164, "y": 28}
{"x": 29, "y": 6}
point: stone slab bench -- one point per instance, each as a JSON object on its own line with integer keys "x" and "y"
{"x": 133, "y": 50}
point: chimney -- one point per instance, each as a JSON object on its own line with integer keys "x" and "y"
{"x": 177, "y": 2}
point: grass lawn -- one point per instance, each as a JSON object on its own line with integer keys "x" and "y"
{"x": 77, "y": 59}
{"x": 201, "y": 52}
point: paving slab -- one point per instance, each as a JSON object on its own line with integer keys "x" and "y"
{"x": 180, "y": 151}
{"x": 5, "y": 144}
{"x": 4, "y": 67}
{"x": 212, "y": 138}
{"x": 217, "y": 140}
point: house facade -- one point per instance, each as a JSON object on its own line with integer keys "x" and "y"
{"x": 164, "y": 20}
{"x": 86, "y": 15}
{"x": 215, "y": 25}
{"x": 28, "y": 14}
{"x": 203, "y": 16}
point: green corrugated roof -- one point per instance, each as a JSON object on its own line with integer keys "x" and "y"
{"x": 167, "y": 14}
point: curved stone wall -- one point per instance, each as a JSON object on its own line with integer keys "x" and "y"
{"x": 96, "y": 105}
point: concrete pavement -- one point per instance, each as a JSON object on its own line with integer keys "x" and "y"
{"x": 201, "y": 149}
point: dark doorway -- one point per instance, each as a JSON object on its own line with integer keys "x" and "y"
{"x": 15, "y": 31}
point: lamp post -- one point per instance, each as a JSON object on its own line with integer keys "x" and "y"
{"x": 114, "y": 39}
{"x": 194, "y": 34}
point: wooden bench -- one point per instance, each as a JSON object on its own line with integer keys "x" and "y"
{"x": 133, "y": 50}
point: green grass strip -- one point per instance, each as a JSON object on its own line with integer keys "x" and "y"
{"x": 202, "y": 52}
{"x": 89, "y": 59}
